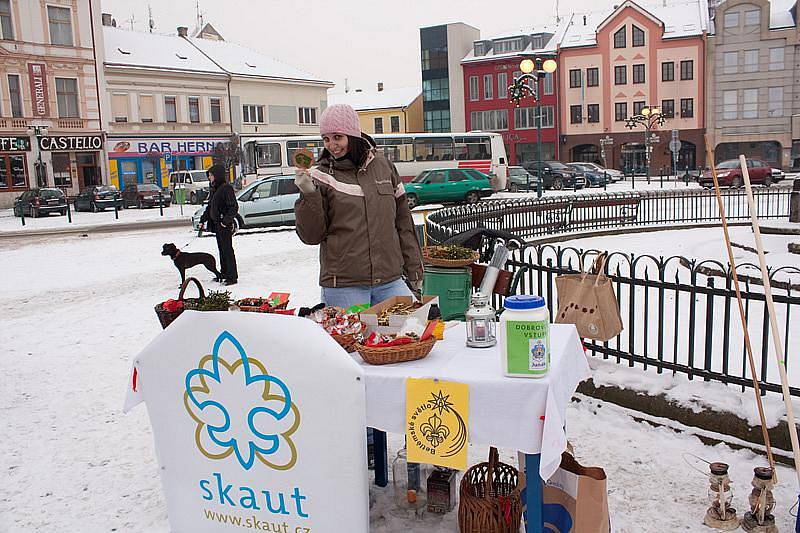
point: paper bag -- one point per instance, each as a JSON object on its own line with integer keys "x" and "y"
{"x": 588, "y": 301}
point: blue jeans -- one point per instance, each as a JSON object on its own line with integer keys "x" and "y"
{"x": 363, "y": 294}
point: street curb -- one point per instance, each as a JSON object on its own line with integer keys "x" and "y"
{"x": 100, "y": 228}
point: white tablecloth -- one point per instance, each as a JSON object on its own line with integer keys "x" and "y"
{"x": 518, "y": 413}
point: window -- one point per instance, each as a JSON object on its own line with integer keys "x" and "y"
{"x": 216, "y": 110}
{"x": 619, "y": 38}
{"x": 62, "y": 176}
{"x": 750, "y": 60}
{"x": 287, "y": 187}
{"x": 194, "y": 109}
{"x": 620, "y": 111}
{"x": 67, "y": 94}
{"x": 433, "y": 148}
{"x": 637, "y": 108}
{"x": 536, "y": 42}
{"x": 730, "y": 62}
{"x": 776, "y": 58}
{"x": 729, "y": 105}
{"x": 394, "y": 124}
{"x": 668, "y": 71}
{"x": 456, "y": 175}
{"x": 574, "y": 78}
{"x": 620, "y": 75}
{"x": 146, "y": 108}
{"x": 494, "y": 119}
{"x": 119, "y": 107}
{"x": 60, "y": 20}
{"x": 547, "y": 84}
{"x": 638, "y": 73}
{"x": 13, "y": 174}
{"x": 473, "y": 88}
{"x": 525, "y": 117}
{"x": 472, "y": 148}
{"x": 487, "y": 87}
{"x": 687, "y": 70}
{"x": 687, "y": 107}
{"x": 480, "y": 49}
{"x": 575, "y": 112}
{"x": 750, "y": 103}
{"x": 307, "y": 115}
{"x": 253, "y": 114}
{"x": 292, "y": 147}
{"x": 592, "y": 77}
{"x": 16, "y": 95}
{"x": 170, "y": 109}
{"x": 593, "y": 112}
{"x": 752, "y": 17}
{"x": 508, "y": 45}
{"x": 775, "y": 106}
{"x": 668, "y": 108}
{"x": 6, "y": 29}
{"x": 502, "y": 85}
{"x": 437, "y": 121}
{"x": 637, "y": 36}
{"x": 378, "y": 124}
{"x": 436, "y": 89}
{"x": 397, "y": 149}
{"x": 731, "y": 20}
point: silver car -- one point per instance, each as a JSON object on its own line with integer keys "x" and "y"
{"x": 613, "y": 174}
{"x": 265, "y": 203}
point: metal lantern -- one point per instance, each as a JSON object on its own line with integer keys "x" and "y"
{"x": 481, "y": 325}
{"x": 760, "y": 518}
{"x": 720, "y": 515}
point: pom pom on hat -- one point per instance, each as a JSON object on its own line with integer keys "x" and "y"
{"x": 340, "y": 118}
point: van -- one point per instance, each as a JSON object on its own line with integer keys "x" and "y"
{"x": 193, "y": 184}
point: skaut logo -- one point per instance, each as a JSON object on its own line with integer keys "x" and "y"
{"x": 240, "y": 409}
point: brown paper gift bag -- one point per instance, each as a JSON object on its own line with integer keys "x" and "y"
{"x": 575, "y": 499}
{"x": 588, "y": 301}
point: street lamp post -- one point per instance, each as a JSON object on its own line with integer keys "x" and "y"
{"x": 533, "y": 70}
{"x": 649, "y": 117}
{"x": 41, "y": 172}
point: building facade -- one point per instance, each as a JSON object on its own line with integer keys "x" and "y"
{"x": 50, "y": 106}
{"x": 613, "y": 64}
{"x": 751, "y": 75}
{"x": 385, "y": 110}
{"x": 488, "y": 70}
{"x": 442, "y": 48}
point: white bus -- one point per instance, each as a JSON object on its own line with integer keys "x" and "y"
{"x": 410, "y": 152}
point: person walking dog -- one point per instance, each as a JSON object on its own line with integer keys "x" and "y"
{"x": 220, "y": 214}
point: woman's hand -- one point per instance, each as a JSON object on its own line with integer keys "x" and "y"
{"x": 303, "y": 180}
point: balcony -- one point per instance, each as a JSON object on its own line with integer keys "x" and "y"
{"x": 14, "y": 123}
{"x": 71, "y": 123}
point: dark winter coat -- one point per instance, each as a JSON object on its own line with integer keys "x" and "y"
{"x": 222, "y": 205}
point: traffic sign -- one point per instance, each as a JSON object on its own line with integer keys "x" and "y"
{"x": 675, "y": 145}
{"x": 167, "y": 157}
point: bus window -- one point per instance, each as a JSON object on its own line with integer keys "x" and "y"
{"x": 315, "y": 147}
{"x": 397, "y": 150}
{"x": 473, "y": 148}
{"x": 268, "y": 155}
{"x": 433, "y": 148}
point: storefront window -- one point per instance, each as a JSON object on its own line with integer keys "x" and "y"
{"x": 149, "y": 171}
{"x": 61, "y": 172}
{"x": 12, "y": 172}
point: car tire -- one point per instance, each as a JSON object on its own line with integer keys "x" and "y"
{"x": 737, "y": 182}
{"x": 413, "y": 200}
{"x": 193, "y": 199}
{"x": 238, "y": 224}
{"x": 767, "y": 181}
{"x": 94, "y": 207}
{"x": 557, "y": 184}
{"x": 513, "y": 187}
{"x": 472, "y": 197}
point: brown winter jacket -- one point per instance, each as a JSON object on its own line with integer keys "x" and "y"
{"x": 361, "y": 220}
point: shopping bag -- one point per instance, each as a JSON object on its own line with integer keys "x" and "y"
{"x": 588, "y": 301}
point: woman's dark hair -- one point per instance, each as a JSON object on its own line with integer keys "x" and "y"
{"x": 357, "y": 150}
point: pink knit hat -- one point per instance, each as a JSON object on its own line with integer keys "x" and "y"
{"x": 340, "y": 118}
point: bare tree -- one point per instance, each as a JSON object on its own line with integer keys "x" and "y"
{"x": 227, "y": 153}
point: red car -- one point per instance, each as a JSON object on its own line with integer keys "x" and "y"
{"x": 729, "y": 174}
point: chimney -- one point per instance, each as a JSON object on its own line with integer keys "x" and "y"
{"x": 380, "y": 86}
{"x": 183, "y": 31}
{"x": 106, "y": 19}
{"x": 584, "y": 20}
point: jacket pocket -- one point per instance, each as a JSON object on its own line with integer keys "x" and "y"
{"x": 385, "y": 187}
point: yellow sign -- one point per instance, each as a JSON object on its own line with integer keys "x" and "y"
{"x": 437, "y": 418}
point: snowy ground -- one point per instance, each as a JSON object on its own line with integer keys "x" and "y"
{"x": 79, "y": 308}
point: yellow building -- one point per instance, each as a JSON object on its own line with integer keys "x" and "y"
{"x": 385, "y": 110}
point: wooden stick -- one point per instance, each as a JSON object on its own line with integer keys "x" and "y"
{"x": 773, "y": 319}
{"x": 748, "y": 345}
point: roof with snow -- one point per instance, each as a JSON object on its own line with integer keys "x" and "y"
{"x": 780, "y": 15}
{"x": 552, "y": 33}
{"x": 385, "y": 99}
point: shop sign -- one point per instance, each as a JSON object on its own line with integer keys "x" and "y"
{"x": 142, "y": 147}
{"x": 15, "y": 144}
{"x": 245, "y": 435}
{"x": 71, "y": 144}
{"x": 38, "y": 80}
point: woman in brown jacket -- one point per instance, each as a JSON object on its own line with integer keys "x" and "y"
{"x": 353, "y": 205}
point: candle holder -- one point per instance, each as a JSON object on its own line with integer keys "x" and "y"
{"x": 481, "y": 325}
{"x": 720, "y": 515}
{"x": 760, "y": 518}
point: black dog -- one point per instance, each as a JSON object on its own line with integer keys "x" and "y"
{"x": 186, "y": 260}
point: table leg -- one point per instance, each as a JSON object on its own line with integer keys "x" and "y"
{"x": 381, "y": 460}
{"x": 533, "y": 495}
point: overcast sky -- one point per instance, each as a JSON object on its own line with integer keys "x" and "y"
{"x": 365, "y": 41}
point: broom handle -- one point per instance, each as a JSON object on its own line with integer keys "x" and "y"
{"x": 742, "y": 316}
{"x": 773, "y": 319}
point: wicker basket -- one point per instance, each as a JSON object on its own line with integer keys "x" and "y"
{"x": 451, "y": 263}
{"x": 395, "y": 354}
{"x": 490, "y": 499}
{"x": 167, "y": 317}
{"x": 255, "y": 305}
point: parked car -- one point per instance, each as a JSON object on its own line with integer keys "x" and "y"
{"x": 593, "y": 177}
{"x": 98, "y": 198}
{"x": 438, "y": 185}
{"x": 37, "y": 202}
{"x": 555, "y": 175}
{"x": 612, "y": 173}
{"x": 193, "y": 183}
{"x": 265, "y": 203}
{"x": 520, "y": 179}
{"x": 729, "y": 174}
{"x": 144, "y": 195}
